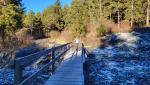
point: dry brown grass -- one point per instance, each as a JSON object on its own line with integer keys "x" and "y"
{"x": 113, "y": 27}
{"x": 65, "y": 37}
{"x": 20, "y": 39}
{"x": 53, "y": 36}
{"x": 23, "y": 38}
{"x": 91, "y": 40}
{"x": 61, "y": 38}
{"x": 16, "y": 40}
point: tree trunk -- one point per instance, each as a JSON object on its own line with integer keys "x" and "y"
{"x": 118, "y": 16}
{"x": 3, "y": 36}
{"x": 147, "y": 19}
{"x": 100, "y": 6}
{"x": 110, "y": 17}
{"x": 132, "y": 13}
{"x": 31, "y": 30}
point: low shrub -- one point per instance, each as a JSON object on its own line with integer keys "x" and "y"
{"x": 23, "y": 38}
{"x": 101, "y": 31}
{"x": 66, "y": 36}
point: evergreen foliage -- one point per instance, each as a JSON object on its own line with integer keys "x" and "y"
{"x": 75, "y": 17}
{"x": 11, "y": 13}
{"x": 34, "y": 23}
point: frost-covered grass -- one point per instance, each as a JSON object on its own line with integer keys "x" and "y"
{"x": 124, "y": 63}
{"x": 7, "y": 76}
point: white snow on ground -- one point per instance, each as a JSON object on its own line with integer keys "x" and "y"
{"x": 128, "y": 37}
{"x": 6, "y": 76}
{"x": 124, "y": 63}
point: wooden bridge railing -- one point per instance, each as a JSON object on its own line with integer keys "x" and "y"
{"x": 21, "y": 63}
{"x": 84, "y": 53}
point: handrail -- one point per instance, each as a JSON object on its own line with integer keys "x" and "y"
{"x": 20, "y": 63}
{"x": 35, "y": 56}
{"x": 85, "y": 56}
{"x": 84, "y": 53}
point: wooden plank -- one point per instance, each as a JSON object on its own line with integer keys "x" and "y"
{"x": 70, "y": 72}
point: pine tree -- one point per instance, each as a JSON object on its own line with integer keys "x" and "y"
{"x": 38, "y": 28}
{"x": 147, "y": 18}
{"x": 34, "y": 23}
{"x": 10, "y": 19}
{"x": 11, "y": 13}
{"x": 52, "y": 17}
{"x": 77, "y": 18}
{"x": 15, "y": 2}
{"x": 65, "y": 15}
{"x": 38, "y": 15}
{"x": 29, "y": 21}
{"x": 107, "y": 9}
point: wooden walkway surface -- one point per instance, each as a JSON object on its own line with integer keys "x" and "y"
{"x": 70, "y": 72}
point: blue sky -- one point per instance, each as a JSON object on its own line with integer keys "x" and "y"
{"x": 40, "y": 5}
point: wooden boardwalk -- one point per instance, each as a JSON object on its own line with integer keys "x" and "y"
{"x": 70, "y": 72}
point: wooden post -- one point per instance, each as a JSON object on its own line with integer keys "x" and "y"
{"x": 18, "y": 74}
{"x": 118, "y": 15}
{"x": 132, "y": 10}
{"x": 83, "y": 51}
{"x": 67, "y": 46}
{"x": 53, "y": 57}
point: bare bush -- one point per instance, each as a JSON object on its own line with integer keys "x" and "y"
{"x": 66, "y": 36}
{"x": 61, "y": 38}
{"x": 102, "y": 31}
{"x": 91, "y": 39}
{"x": 53, "y": 35}
{"x": 91, "y": 42}
{"x": 125, "y": 26}
{"x": 23, "y": 38}
{"x": 113, "y": 27}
